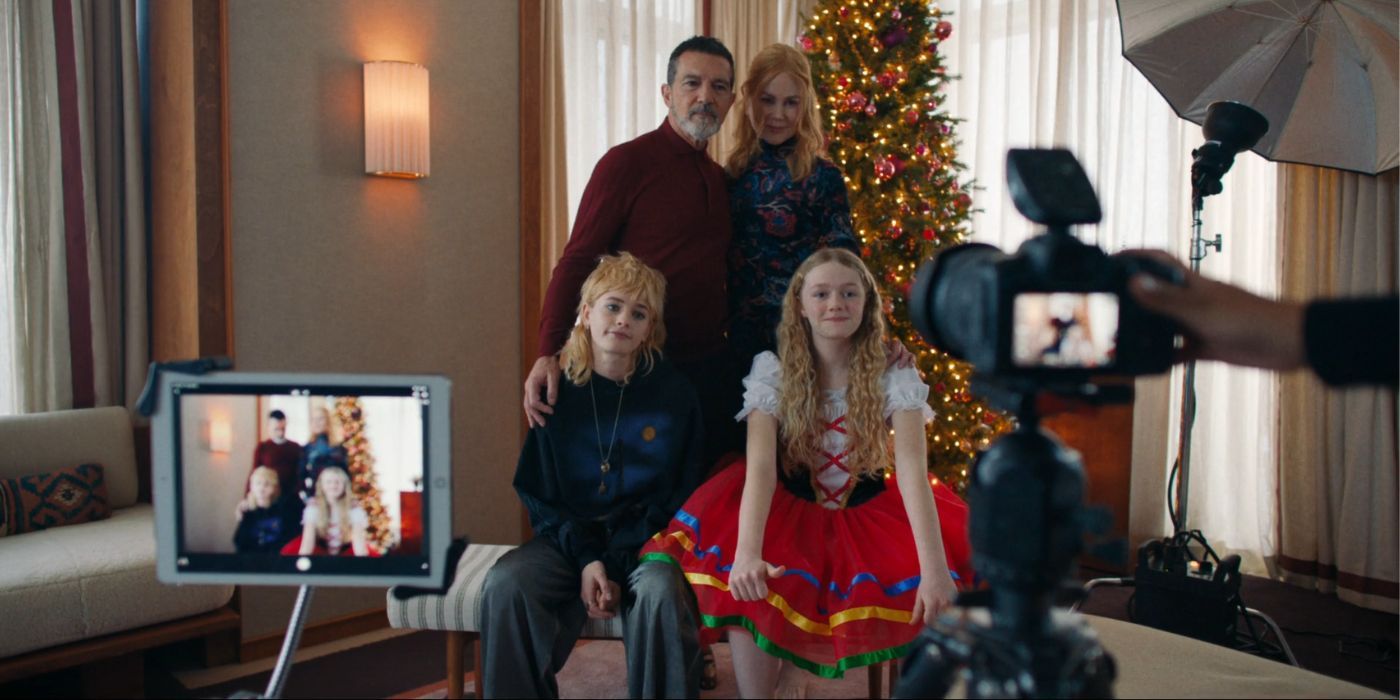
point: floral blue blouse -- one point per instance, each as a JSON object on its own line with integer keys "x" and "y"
{"x": 777, "y": 224}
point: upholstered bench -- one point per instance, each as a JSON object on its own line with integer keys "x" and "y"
{"x": 456, "y": 614}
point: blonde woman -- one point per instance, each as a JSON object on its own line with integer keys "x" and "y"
{"x": 806, "y": 551}
{"x": 786, "y": 198}
{"x": 332, "y": 523}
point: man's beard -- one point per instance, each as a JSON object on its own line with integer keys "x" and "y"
{"x": 701, "y": 131}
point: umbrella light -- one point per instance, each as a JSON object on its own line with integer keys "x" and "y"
{"x": 1325, "y": 73}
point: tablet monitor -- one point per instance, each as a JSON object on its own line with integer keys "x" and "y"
{"x": 302, "y": 479}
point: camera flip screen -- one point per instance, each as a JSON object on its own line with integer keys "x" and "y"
{"x": 1064, "y": 329}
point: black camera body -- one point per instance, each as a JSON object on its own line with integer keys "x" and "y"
{"x": 1058, "y": 310}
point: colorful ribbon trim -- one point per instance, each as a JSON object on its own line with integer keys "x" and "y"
{"x": 797, "y": 619}
{"x": 836, "y": 670}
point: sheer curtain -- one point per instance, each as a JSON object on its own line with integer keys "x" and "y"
{"x": 614, "y": 56}
{"x": 72, "y": 220}
{"x": 1338, "y": 451}
{"x": 1043, "y": 73}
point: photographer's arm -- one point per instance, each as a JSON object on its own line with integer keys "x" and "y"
{"x": 1345, "y": 341}
{"x": 1223, "y": 322}
{"x": 936, "y": 589}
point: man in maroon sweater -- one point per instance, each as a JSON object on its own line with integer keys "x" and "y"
{"x": 661, "y": 198}
{"x": 278, "y": 453}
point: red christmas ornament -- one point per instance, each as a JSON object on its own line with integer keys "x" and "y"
{"x": 865, "y": 252}
{"x": 928, "y": 234}
{"x": 805, "y": 41}
{"x": 943, "y": 30}
{"x": 911, "y": 116}
{"x": 888, "y": 79}
{"x": 988, "y": 417}
{"x": 855, "y": 100}
{"x": 870, "y": 109}
{"x": 964, "y": 201}
{"x": 939, "y": 388}
{"x": 896, "y": 14}
{"x": 843, "y": 81}
{"x": 844, "y": 12}
{"x": 931, "y": 48}
{"x": 884, "y": 168}
{"x": 920, "y": 149}
{"x": 895, "y": 231}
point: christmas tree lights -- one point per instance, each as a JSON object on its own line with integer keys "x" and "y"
{"x": 879, "y": 78}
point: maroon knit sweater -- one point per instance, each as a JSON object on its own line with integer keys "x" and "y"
{"x": 660, "y": 199}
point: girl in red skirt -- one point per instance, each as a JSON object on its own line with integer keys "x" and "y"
{"x": 807, "y": 551}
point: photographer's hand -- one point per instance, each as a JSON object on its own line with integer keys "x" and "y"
{"x": 1223, "y": 322}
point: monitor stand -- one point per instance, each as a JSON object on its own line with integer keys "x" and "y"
{"x": 278, "y": 681}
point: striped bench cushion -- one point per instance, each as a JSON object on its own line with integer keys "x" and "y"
{"x": 457, "y": 611}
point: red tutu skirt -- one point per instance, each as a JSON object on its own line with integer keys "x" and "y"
{"x": 852, "y": 575}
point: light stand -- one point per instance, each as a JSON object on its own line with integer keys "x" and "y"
{"x": 1230, "y": 128}
{"x": 1176, "y": 591}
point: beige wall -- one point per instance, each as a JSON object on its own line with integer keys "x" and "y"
{"x": 337, "y": 271}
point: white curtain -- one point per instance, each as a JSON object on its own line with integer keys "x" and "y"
{"x": 34, "y": 370}
{"x": 614, "y": 63}
{"x": 1043, "y": 73}
{"x": 72, "y": 220}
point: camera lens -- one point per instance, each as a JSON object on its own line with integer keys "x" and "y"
{"x": 953, "y": 297}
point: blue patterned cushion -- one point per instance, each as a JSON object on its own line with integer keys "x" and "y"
{"x": 64, "y": 497}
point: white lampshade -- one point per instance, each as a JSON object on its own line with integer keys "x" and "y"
{"x": 396, "y": 119}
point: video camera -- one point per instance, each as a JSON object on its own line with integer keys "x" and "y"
{"x": 1058, "y": 309}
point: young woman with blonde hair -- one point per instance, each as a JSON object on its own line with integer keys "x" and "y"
{"x": 807, "y": 551}
{"x": 619, "y": 454}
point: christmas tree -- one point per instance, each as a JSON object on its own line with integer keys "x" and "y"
{"x": 879, "y": 78}
{"x": 364, "y": 483}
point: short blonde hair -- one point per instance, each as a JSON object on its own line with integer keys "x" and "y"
{"x": 624, "y": 273}
{"x": 269, "y": 474}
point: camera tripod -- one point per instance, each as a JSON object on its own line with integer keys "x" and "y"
{"x": 1027, "y": 526}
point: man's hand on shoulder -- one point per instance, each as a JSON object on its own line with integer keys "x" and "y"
{"x": 544, "y": 375}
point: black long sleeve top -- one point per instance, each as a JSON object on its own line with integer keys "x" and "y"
{"x": 1354, "y": 341}
{"x": 655, "y": 463}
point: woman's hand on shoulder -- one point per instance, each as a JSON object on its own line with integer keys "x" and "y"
{"x": 748, "y": 580}
{"x": 936, "y": 594}
{"x": 897, "y": 356}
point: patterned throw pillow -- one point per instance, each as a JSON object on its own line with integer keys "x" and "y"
{"x": 64, "y": 497}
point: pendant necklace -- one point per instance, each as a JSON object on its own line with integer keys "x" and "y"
{"x": 605, "y": 459}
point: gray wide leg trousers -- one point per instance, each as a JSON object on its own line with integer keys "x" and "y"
{"x": 531, "y": 615}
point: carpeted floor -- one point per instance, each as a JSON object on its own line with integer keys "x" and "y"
{"x": 1328, "y": 636}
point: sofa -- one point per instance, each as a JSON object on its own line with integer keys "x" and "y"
{"x": 85, "y": 593}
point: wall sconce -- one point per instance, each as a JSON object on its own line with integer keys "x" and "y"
{"x": 396, "y": 119}
{"x": 218, "y": 435}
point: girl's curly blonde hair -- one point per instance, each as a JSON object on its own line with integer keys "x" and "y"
{"x": 616, "y": 273}
{"x": 802, "y": 423}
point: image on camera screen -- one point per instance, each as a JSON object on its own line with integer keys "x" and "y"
{"x": 1064, "y": 329}
{"x": 295, "y": 474}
